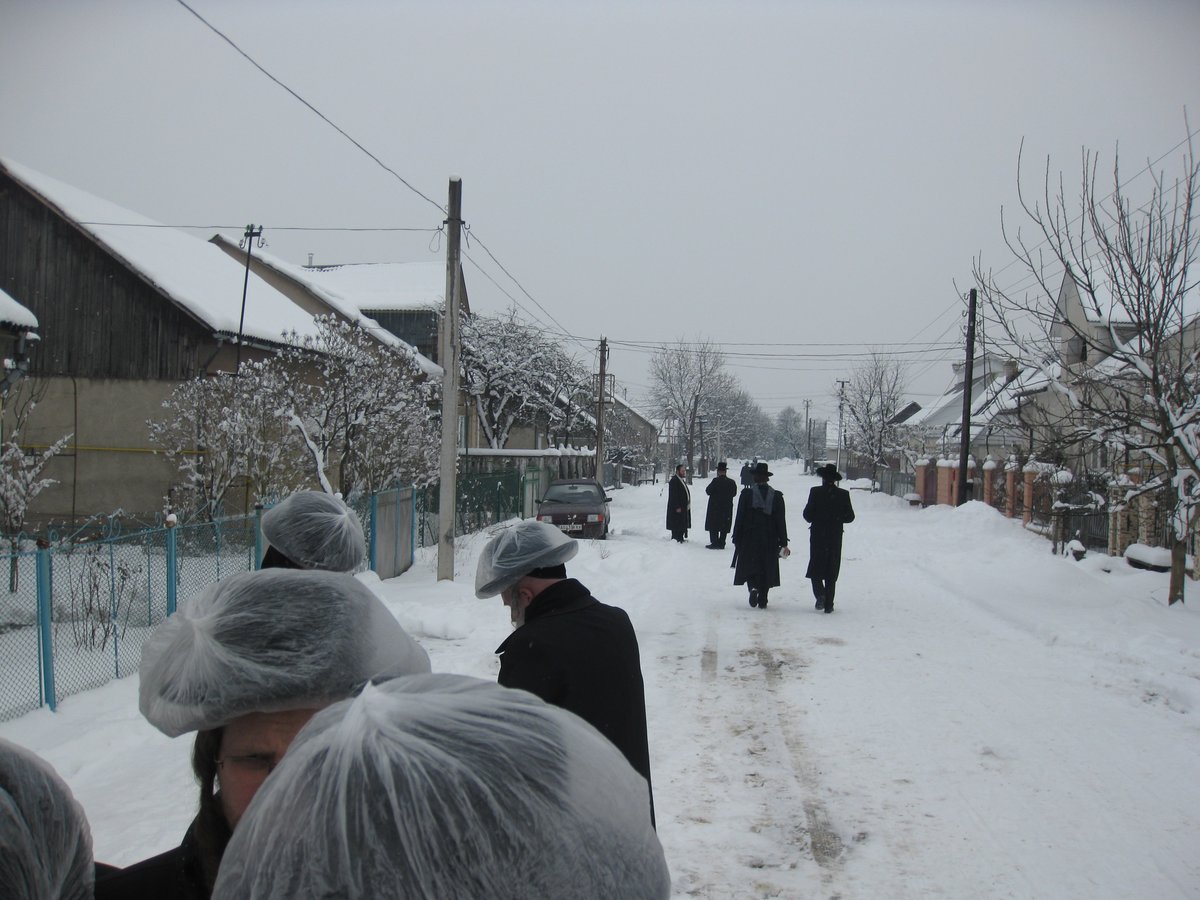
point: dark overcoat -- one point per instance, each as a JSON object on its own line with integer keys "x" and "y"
{"x": 721, "y": 491}
{"x": 827, "y": 510}
{"x": 678, "y": 498}
{"x": 575, "y": 652}
{"x": 758, "y": 534}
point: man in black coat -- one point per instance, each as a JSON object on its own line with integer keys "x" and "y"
{"x": 747, "y": 474}
{"x": 679, "y": 504}
{"x": 721, "y": 491}
{"x": 827, "y": 510}
{"x": 568, "y": 648}
{"x": 759, "y": 536}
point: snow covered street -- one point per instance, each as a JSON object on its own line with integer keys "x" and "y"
{"x": 977, "y": 718}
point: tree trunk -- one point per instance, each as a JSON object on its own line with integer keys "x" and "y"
{"x": 1178, "y": 567}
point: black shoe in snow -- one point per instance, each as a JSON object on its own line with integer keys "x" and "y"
{"x": 820, "y": 605}
{"x": 828, "y": 607}
{"x": 753, "y": 598}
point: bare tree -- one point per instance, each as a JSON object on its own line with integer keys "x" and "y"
{"x": 790, "y": 432}
{"x": 687, "y": 382}
{"x": 1118, "y": 350}
{"x": 872, "y": 399}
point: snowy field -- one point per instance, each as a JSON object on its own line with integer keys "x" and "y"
{"x": 978, "y": 718}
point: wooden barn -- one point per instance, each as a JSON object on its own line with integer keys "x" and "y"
{"x": 127, "y": 309}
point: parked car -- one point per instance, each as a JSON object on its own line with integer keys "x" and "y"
{"x": 577, "y": 506}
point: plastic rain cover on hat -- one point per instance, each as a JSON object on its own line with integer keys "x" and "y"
{"x": 517, "y": 551}
{"x": 316, "y": 531}
{"x": 447, "y": 786}
{"x": 268, "y": 641}
{"x": 45, "y": 842}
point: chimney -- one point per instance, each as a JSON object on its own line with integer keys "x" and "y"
{"x": 310, "y": 256}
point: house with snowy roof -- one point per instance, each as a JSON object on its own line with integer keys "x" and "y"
{"x": 126, "y": 309}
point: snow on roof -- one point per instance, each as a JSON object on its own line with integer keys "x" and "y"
{"x": 341, "y": 299}
{"x": 196, "y": 275}
{"x": 390, "y": 286}
{"x": 13, "y": 313}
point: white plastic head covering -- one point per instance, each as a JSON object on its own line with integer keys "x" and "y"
{"x": 268, "y": 641}
{"x": 517, "y": 551}
{"x": 316, "y": 531}
{"x": 447, "y": 786}
{"x": 45, "y": 842}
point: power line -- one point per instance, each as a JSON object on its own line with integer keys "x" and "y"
{"x": 242, "y": 227}
{"x": 312, "y": 108}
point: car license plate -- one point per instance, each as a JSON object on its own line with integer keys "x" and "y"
{"x": 572, "y": 527}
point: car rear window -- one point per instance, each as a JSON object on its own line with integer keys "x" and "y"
{"x": 573, "y": 493}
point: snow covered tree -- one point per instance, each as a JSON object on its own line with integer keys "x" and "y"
{"x": 21, "y": 477}
{"x": 789, "y": 431}
{"x": 224, "y": 429}
{"x": 516, "y": 376}
{"x": 872, "y": 398}
{"x": 362, "y": 407}
{"x": 1118, "y": 350}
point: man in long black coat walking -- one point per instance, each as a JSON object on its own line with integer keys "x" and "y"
{"x": 827, "y": 510}
{"x": 719, "y": 517}
{"x": 759, "y": 535}
{"x": 679, "y": 504}
{"x": 568, "y": 648}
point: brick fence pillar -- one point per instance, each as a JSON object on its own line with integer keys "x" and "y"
{"x": 1030, "y": 476}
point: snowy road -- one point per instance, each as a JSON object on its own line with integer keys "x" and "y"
{"x": 978, "y": 718}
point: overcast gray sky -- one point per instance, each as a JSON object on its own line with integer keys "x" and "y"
{"x": 805, "y": 173}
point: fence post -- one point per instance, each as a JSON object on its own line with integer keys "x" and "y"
{"x": 114, "y": 609}
{"x": 172, "y": 570}
{"x": 258, "y": 536}
{"x": 412, "y": 535}
{"x": 45, "y": 644}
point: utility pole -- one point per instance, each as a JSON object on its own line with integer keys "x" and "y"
{"x": 599, "y": 475}
{"x": 964, "y": 444}
{"x": 807, "y": 437}
{"x": 841, "y": 408}
{"x": 251, "y": 233}
{"x": 449, "y": 347}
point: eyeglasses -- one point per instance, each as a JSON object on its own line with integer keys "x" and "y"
{"x": 258, "y": 765}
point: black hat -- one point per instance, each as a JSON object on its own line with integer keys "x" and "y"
{"x": 721, "y": 467}
{"x": 761, "y": 469}
{"x": 829, "y": 470}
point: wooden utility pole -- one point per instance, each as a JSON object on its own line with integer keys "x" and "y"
{"x": 599, "y": 471}
{"x": 448, "y": 351}
{"x": 807, "y": 438}
{"x": 964, "y": 442}
{"x": 841, "y": 408}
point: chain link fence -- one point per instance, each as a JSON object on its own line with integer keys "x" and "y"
{"x": 77, "y": 611}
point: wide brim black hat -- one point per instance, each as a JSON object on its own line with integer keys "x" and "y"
{"x": 761, "y": 469}
{"x": 829, "y": 471}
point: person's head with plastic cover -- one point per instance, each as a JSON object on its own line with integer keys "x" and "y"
{"x": 313, "y": 530}
{"x": 45, "y": 842}
{"x": 247, "y": 662}
{"x": 520, "y": 562}
{"x": 448, "y": 786}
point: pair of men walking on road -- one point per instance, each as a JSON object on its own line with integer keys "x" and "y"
{"x": 760, "y": 531}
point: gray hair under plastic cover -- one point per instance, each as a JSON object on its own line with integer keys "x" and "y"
{"x": 316, "y": 531}
{"x": 447, "y": 786}
{"x": 267, "y": 641}
{"x": 517, "y": 551}
{"x": 45, "y": 842}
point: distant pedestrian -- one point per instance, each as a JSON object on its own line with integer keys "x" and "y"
{"x": 679, "y": 504}
{"x": 719, "y": 517}
{"x": 759, "y": 536}
{"x": 747, "y": 476}
{"x": 827, "y": 510}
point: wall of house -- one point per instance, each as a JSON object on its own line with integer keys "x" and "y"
{"x": 109, "y": 465}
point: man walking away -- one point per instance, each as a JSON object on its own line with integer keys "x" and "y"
{"x": 568, "y": 647}
{"x": 721, "y": 491}
{"x": 827, "y": 510}
{"x": 759, "y": 535}
{"x": 747, "y": 474}
{"x": 679, "y": 504}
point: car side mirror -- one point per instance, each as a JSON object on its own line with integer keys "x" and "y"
{"x": 608, "y": 499}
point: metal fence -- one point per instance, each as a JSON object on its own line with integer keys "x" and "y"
{"x": 78, "y": 611}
